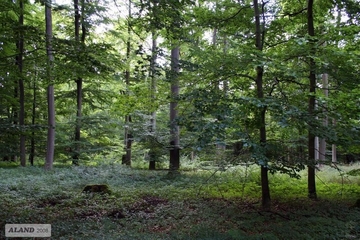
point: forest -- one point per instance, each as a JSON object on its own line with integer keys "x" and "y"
{"x": 181, "y": 119}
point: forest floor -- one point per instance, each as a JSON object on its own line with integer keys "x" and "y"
{"x": 198, "y": 204}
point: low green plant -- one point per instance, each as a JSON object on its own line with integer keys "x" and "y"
{"x": 199, "y": 204}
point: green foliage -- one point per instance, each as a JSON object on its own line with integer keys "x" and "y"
{"x": 219, "y": 108}
{"x": 354, "y": 172}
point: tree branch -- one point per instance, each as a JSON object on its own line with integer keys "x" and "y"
{"x": 233, "y": 16}
{"x": 294, "y": 13}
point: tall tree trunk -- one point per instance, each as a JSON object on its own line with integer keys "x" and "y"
{"x": 312, "y": 102}
{"x": 79, "y": 81}
{"x": 316, "y": 144}
{"x": 333, "y": 149}
{"x": 322, "y": 141}
{"x": 127, "y": 142}
{"x": 225, "y": 50}
{"x": 33, "y": 117}
{"x": 128, "y": 136}
{"x": 214, "y": 37}
{"x": 265, "y": 190}
{"x": 50, "y": 89}
{"x": 15, "y": 111}
{"x": 174, "y": 128}
{"x": 152, "y": 152}
{"x": 219, "y": 146}
{"x": 19, "y": 62}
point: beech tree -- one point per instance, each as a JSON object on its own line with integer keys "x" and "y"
{"x": 153, "y": 88}
{"x": 174, "y": 128}
{"x": 79, "y": 20}
{"x": 259, "y": 38}
{"x": 312, "y": 85}
{"x": 128, "y": 136}
{"x": 50, "y": 89}
{"x": 19, "y": 63}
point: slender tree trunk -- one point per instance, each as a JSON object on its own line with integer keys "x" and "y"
{"x": 19, "y": 62}
{"x": 15, "y": 112}
{"x": 322, "y": 142}
{"x": 127, "y": 142}
{"x": 214, "y": 37}
{"x": 317, "y": 144}
{"x": 225, "y": 50}
{"x": 265, "y": 190}
{"x": 33, "y": 117}
{"x": 219, "y": 147}
{"x": 333, "y": 150}
{"x": 174, "y": 128}
{"x": 50, "y": 90}
{"x": 79, "y": 82}
{"x": 312, "y": 101}
{"x": 12, "y": 117}
{"x": 333, "y": 147}
{"x": 128, "y": 136}
{"x": 152, "y": 152}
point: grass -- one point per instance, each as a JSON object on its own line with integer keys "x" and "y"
{"x": 198, "y": 204}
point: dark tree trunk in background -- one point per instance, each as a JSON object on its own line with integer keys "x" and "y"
{"x": 50, "y": 90}
{"x": 128, "y": 136}
{"x": 33, "y": 117}
{"x": 79, "y": 80}
{"x": 127, "y": 142}
{"x": 265, "y": 190}
{"x": 15, "y": 115}
{"x": 152, "y": 152}
{"x": 19, "y": 62}
{"x": 312, "y": 85}
{"x": 174, "y": 128}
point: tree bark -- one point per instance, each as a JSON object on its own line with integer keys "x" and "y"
{"x": 50, "y": 89}
{"x": 152, "y": 153}
{"x": 174, "y": 128}
{"x": 265, "y": 190}
{"x": 322, "y": 141}
{"x": 19, "y": 62}
{"x": 128, "y": 136}
{"x": 79, "y": 82}
{"x": 127, "y": 142}
{"x": 333, "y": 153}
{"x": 33, "y": 118}
{"x": 15, "y": 117}
{"x": 312, "y": 103}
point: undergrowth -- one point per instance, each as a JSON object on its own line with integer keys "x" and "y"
{"x": 197, "y": 204}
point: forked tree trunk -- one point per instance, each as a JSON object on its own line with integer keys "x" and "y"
{"x": 50, "y": 89}
{"x": 174, "y": 128}
{"x": 265, "y": 190}
{"x": 312, "y": 102}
